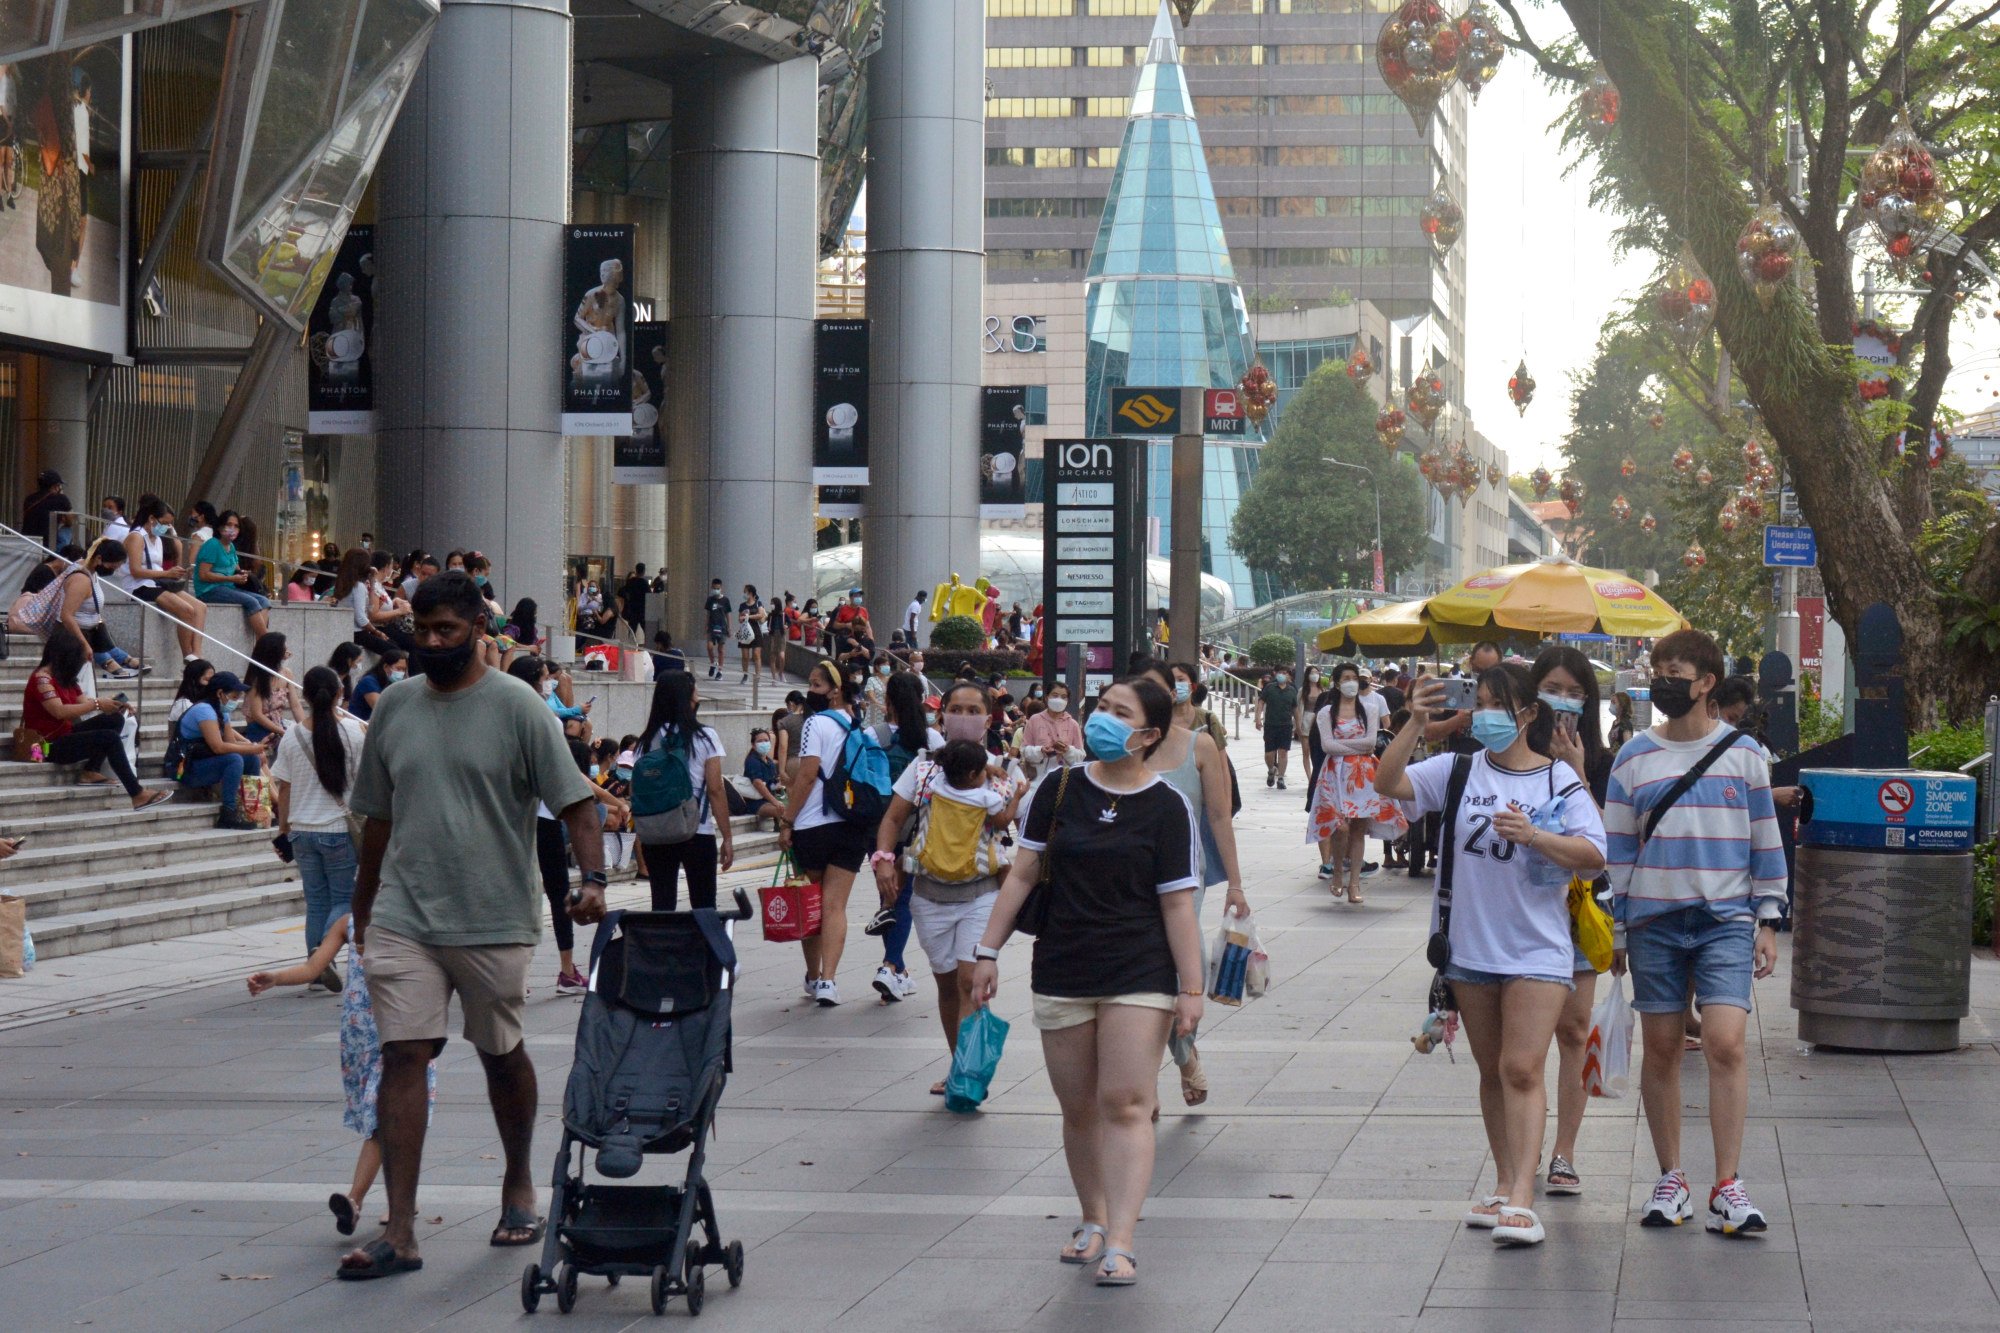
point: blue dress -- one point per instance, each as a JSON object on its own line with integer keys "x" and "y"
{"x": 361, "y": 1054}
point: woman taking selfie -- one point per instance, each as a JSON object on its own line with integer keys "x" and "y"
{"x": 1503, "y": 888}
{"x": 1117, "y": 961}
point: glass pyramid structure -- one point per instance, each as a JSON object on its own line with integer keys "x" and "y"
{"x": 1162, "y": 307}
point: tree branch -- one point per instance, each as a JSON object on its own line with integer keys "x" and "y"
{"x": 1526, "y": 45}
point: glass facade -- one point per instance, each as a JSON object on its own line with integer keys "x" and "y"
{"x": 1161, "y": 302}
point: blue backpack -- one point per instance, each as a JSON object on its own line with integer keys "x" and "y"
{"x": 859, "y": 786}
{"x": 665, "y": 806}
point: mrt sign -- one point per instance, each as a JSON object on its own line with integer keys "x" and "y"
{"x": 1153, "y": 412}
{"x": 1222, "y": 414}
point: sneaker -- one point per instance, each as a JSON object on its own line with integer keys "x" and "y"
{"x": 1672, "y": 1202}
{"x": 232, "y": 818}
{"x": 807, "y": 988}
{"x": 571, "y": 983}
{"x": 1369, "y": 867}
{"x": 1730, "y": 1211}
{"x": 884, "y": 918}
{"x": 1270, "y": 780}
{"x": 1281, "y": 784}
{"x": 906, "y": 985}
{"x": 330, "y": 979}
{"x": 744, "y": 679}
{"x": 825, "y": 993}
{"x": 885, "y": 984}
{"x": 1326, "y": 872}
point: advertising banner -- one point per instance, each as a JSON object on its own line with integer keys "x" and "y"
{"x": 1003, "y": 415}
{"x": 340, "y": 383}
{"x": 1093, "y": 570}
{"x": 1812, "y": 633}
{"x": 640, "y": 459}
{"x": 597, "y": 331}
{"x": 64, "y": 164}
{"x": 840, "y": 402}
{"x": 840, "y": 502}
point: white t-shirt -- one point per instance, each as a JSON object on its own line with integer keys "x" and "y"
{"x": 314, "y": 809}
{"x": 360, "y": 599}
{"x": 707, "y": 745}
{"x": 912, "y": 614}
{"x": 990, "y": 798}
{"x": 1500, "y": 921}
{"x": 821, "y": 738}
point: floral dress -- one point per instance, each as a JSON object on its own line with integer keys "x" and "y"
{"x": 361, "y": 1054}
{"x": 1346, "y": 792}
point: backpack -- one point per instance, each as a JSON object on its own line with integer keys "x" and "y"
{"x": 665, "y": 806}
{"x": 951, "y": 845}
{"x": 858, "y": 788}
{"x": 891, "y": 740}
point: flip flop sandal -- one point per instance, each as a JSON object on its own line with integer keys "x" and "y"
{"x": 1079, "y": 1244}
{"x": 1563, "y": 1178}
{"x": 937, "y": 1088}
{"x": 1107, "y": 1278}
{"x": 1486, "y": 1220}
{"x": 383, "y": 1261}
{"x": 1532, "y": 1234}
{"x": 1194, "y": 1083}
{"x": 154, "y": 798}
{"x": 517, "y": 1219}
{"x": 342, "y": 1209}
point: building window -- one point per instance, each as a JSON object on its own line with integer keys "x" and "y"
{"x": 1101, "y": 157}
{"x": 1013, "y": 108}
{"x": 1236, "y": 205}
{"x": 1311, "y": 205}
{"x": 1040, "y": 260}
{"x": 1334, "y": 6}
{"x": 1027, "y": 57}
{"x": 1123, "y": 9}
{"x": 1317, "y": 53}
{"x": 1344, "y": 256}
{"x": 1222, "y": 55}
{"x": 1219, "y": 156}
{"x": 1291, "y": 361}
{"x": 1241, "y": 105}
{"x": 1339, "y": 155}
{"x": 1030, "y": 9}
{"x": 1110, "y": 55}
{"x": 1036, "y": 401}
{"x": 1116, "y": 107}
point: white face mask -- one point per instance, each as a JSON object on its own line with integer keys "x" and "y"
{"x": 1350, "y": 688}
{"x": 548, "y": 688}
{"x": 1058, "y": 704}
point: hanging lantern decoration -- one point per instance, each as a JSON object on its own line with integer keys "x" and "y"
{"x": 1901, "y": 196}
{"x": 1389, "y": 428}
{"x": 1360, "y": 365}
{"x": 1442, "y": 219}
{"x": 1753, "y": 452}
{"x": 1657, "y": 419}
{"x": 1494, "y": 476}
{"x": 1417, "y": 53}
{"x": 1621, "y": 508}
{"x": 1425, "y": 399}
{"x": 1685, "y": 300}
{"x": 1766, "y": 251}
{"x": 1694, "y": 557}
{"x": 1683, "y": 460}
{"x": 1185, "y": 8}
{"x": 1571, "y": 493}
{"x": 1647, "y": 523}
{"x": 1521, "y": 387}
{"x": 1480, "y": 49}
{"x": 1767, "y": 475}
{"x": 1749, "y": 503}
{"x": 1727, "y": 515}
{"x": 1258, "y": 394}
{"x": 1598, "y": 105}
{"x": 1428, "y": 464}
{"x": 1542, "y": 481}
{"x": 1703, "y": 476}
{"x": 1628, "y": 467}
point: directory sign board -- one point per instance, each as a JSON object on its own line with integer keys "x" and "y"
{"x": 1094, "y": 558}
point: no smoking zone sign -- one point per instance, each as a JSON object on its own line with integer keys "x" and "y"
{"x": 1896, "y": 797}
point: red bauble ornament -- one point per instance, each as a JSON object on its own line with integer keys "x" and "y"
{"x": 1480, "y": 49}
{"x": 1703, "y": 476}
{"x": 1628, "y": 467}
{"x": 1494, "y": 476}
{"x": 1658, "y": 420}
{"x": 1572, "y": 493}
{"x": 1765, "y": 250}
{"x": 1685, "y": 300}
{"x": 1694, "y": 557}
{"x": 1389, "y": 428}
{"x": 1598, "y": 105}
{"x": 1648, "y": 523}
{"x": 1258, "y": 393}
{"x": 1541, "y": 481}
{"x": 1521, "y": 387}
{"x": 1901, "y": 196}
{"x": 1360, "y": 365}
{"x": 1425, "y": 399}
{"x": 1417, "y": 51}
{"x": 1621, "y": 508}
{"x": 1683, "y": 460}
{"x": 1442, "y": 220}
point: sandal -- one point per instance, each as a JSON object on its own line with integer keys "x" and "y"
{"x": 1194, "y": 1083}
{"x": 515, "y": 1218}
{"x": 1473, "y": 1218}
{"x": 92, "y": 778}
{"x": 342, "y": 1209}
{"x": 382, "y": 1261}
{"x": 1563, "y": 1178}
{"x": 1107, "y": 1278}
{"x": 153, "y": 798}
{"x": 937, "y": 1088}
{"x": 1078, "y": 1250}
{"x": 1532, "y": 1234}
{"x": 1354, "y": 898}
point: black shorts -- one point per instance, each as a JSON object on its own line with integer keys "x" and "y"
{"x": 1277, "y": 740}
{"x": 148, "y": 594}
{"x": 716, "y": 634}
{"x": 841, "y": 845}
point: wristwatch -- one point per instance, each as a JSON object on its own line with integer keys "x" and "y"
{"x": 982, "y": 954}
{"x": 596, "y": 877}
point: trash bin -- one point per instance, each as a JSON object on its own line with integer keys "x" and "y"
{"x": 1882, "y": 908}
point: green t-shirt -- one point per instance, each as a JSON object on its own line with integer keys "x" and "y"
{"x": 1279, "y": 701}
{"x": 458, "y": 774}
{"x": 220, "y": 558}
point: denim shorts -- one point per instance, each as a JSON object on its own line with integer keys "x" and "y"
{"x": 1691, "y": 945}
{"x": 1473, "y": 977}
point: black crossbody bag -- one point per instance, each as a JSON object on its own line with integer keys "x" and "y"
{"x": 1438, "y": 952}
{"x": 1033, "y": 918}
{"x": 1686, "y": 782}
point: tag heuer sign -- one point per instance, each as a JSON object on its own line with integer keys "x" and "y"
{"x": 1145, "y": 411}
{"x": 1222, "y": 412}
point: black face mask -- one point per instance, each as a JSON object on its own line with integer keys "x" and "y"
{"x": 1673, "y": 696}
{"x": 818, "y": 703}
{"x": 443, "y": 667}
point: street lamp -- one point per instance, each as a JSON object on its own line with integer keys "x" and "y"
{"x": 1377, "y": 492}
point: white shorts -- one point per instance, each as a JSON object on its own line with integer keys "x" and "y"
{"x": 948, "y": 932}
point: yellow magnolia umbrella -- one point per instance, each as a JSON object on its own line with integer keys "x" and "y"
{"x": 1556, "y": 596}
{"x": 1394, "y": 625}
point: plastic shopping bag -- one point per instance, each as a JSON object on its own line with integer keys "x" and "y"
{"x": 1237, "y": 964}
{"x": 1593, "y": 923}
{"x": 1607, "y": 1054}
{"x": 981, "y": 1037}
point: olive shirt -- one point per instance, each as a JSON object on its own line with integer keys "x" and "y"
{"x": 458, "y": 774}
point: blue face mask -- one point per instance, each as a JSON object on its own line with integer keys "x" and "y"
{"x": 1107, "y": 737}
{"x": 1494, "y": 728}
{"x": 1558, "y": 703}
{"x": 1181, "y": 691}
{"x": 231, "y": 708}
{"x": 162, "y": 529}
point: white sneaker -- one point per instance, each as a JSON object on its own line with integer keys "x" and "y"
{"x": 1672, "y": 1203}
{"x": 826, "y": 993}
{"x": 906, "y": 984}
{"x": 807, "y": 987}
{"x": 885, "y": 984}
{"x": 1730, "y": 1211}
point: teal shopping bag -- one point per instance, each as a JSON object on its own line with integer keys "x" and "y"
{"x": 980, "y": 1039}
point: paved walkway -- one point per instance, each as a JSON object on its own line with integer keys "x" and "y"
{"x": 164, "y": 1162}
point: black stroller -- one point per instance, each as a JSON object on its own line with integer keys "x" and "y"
{"x": 652, "y": 1055}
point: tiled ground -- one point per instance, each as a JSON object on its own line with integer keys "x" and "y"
{"x": 166, "y": 1152}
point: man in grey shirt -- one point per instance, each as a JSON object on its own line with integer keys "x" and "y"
{"x": 448, "y": 900}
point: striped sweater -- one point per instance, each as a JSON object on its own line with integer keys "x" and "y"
{"x": 1718, "y": 846}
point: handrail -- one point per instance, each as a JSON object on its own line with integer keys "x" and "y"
{"x": 1969, "y": 764}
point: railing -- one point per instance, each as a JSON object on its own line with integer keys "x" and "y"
{"x": 1276, "y": 617}
{"x": 1238, "y": 694}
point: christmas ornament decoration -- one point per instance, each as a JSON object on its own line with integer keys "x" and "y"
{"x": 1703, "y": 476}
{"x": 1766, "y": 251}
{"x": 1494, "y": 476}
{"x": 1185, "y": 8}
{"x": 1765, "y": 475}
{"x": 1753, "y": 451}
{"x": 1428, "y": 464}
{"x": 1442, "y": 219}
{"x": 1900, "y": 194}
{"x": 1621, "y": 508}
{"x": 1685, "y": 301}
{"x": 1425, "y": 399}
{"x": 1683, "y": 460}
{"x": 1629, "y": 466}
{"x": 1694, "y": 557}
{"x": 1648, "y": 523}
{"x": 1417, "y": 52}
{"x": 1571, "y": 493}
{"x": 1658, "y": 420}
{"x": 1360, "y": 365}
{"x": 1726, "y": 517}
{"x": 1521, "y": 387}
{"x": 1389, "y": 428}
{"x": 1750, "y": 503}
{"x": 1258, "y": 392}
{"x": 1541, "y": 481}
{"x": 1598, "y": 105}
{"x": 1480, "y": 49}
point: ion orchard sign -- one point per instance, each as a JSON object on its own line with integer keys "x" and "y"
{"x": 1098, "y": 526}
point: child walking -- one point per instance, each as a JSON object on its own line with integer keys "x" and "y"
{"x": 360, "y": 1060}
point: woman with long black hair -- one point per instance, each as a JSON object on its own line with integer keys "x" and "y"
{"x": 675, "y": 727}
{"x": 1346, "y": 808}
{"x": 270, "y": 705}
{"x": 823, "y": 842}
{"x": 521, "y": 626}
{"x": 77, "y": 727}
{"x": 378, "y": 621}
{"x": 906, "y": 735}
{"x": 342, "y": 662}
{"x": 314, "y": 769}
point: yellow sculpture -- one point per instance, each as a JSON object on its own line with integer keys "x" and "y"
{"x": 941, "y": 598}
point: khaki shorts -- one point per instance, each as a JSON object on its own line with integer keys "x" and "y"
{"x": 411, "y": 984}
{"x": 1055, "y": 1012}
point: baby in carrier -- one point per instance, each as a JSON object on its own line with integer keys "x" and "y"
{"x": 959, "y": 838}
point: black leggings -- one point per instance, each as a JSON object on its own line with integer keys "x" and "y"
{"x": 552, "y": 855}
{"x": 98, "y": 739}
{"x": 665, "y": 859}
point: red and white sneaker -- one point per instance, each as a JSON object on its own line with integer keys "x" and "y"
{"x": 1730, "y": 1210}
{"x": 1672, "y": 1202}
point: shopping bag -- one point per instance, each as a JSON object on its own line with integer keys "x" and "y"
{"x": 1607, "y": 1053}
{"x": 1237, "y": 964}
{"x": 981, "y": 1037}
{"x": 791, "y": 905}
{"x": 1593, "y": 923}
{"x": 14, "y": 955}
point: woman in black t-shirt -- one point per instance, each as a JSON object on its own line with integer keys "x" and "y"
{"x": 1117, "y": 961}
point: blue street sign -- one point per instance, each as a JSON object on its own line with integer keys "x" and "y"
{"x": 1584, "y": 638}
{"x": 1790, "y": 546}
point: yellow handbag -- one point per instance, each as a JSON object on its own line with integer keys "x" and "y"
{"x": 1593, "y": 923}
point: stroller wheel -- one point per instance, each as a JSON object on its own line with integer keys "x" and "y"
{"x": 693, "y": 1277}
{"x": 732, "y": 1262}
{"x": 660, "y": 1279}
{"x": 531, "y": 1288}
{"x": 566, "y": 1288}
{"x": 612, "y": 1278}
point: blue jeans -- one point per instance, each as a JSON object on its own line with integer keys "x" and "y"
{"x": 1472, "y": 976}
{"x": 227, "y": 769}
{"x": 1691, "y": 946}
{"x": 230, "y": 595}
{"x": 326, "y": 867}
{"x": 255, "y": 731}
{"x": 897, "y": 937}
